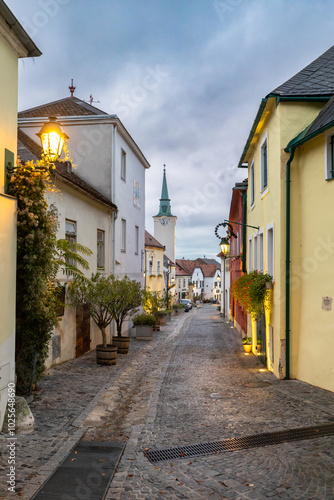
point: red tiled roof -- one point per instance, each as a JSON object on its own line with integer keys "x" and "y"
{"x": 208, "y": 270}
{"x": 69, "y": 106}
{"x": 27, "y": 149}
{"x": 180, "y": 272}
{"x": 150, "y": 241}
{"x": 187, "y": 265}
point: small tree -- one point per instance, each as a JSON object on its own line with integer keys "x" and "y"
{"x": 126, "y": 296}
{"x": 97, "y": 293}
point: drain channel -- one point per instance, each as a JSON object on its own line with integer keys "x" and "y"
{"x": 242, "y": 443}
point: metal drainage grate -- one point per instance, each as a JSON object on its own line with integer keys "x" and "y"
{"x": 242, "y": 443}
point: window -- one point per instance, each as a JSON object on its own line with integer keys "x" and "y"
{"x": 252, "y": 186}
{"x": 100, "y": 249}
{"x": 184, "y": 283}
{"x": 255, "y": 254}
{"x": 261, "y": 256}
{"x": 179, "y": 283}
{"x": 158, "y": 267}
{"x": 270, "y": 250}
{"x": 150, "y": 266}
{"x": 264, "y": 164}
{"x": 123, "y": 165}
{"x": 136, "y": 240}
{"x": 123, "y": 235}
{"x": 250, "y": 254}
{"x": 71, "y": 236}
{"x": 329, "y": 157}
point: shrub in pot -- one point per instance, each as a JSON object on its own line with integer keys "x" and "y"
{"x": 144, "y": 324}
{"x": 247, "y": 344}
{"x": 96, "y": 293}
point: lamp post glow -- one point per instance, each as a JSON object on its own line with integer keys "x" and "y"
{"x": 224, "y": 246}
{"x": 52, "y": 138}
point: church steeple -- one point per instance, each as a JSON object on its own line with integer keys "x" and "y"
{"x": 164, "y": 208}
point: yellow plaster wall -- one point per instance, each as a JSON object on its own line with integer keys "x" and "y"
{"x": 312, "y": 257}
{"x": 281, "y": 124}
{"x": 8, "y": 140}
{"x": 154, "y": 284}
{"x": 8, "y": 105}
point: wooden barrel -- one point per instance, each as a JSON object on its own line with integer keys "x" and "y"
{"x": 106, "y": 355}
{"x": 122, "y": 343}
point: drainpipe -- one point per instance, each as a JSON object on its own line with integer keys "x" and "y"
{"x": 287, "y": 267}
{"x": 244, "y": 221}
{"x": 113, "y": 194}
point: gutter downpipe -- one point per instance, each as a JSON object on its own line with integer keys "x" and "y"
{"x": 244, "y": 239}
{"x": 287, "y": 266}
{"x": 113, "y": 194}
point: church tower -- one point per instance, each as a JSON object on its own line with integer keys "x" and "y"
{"x": 165, "y": 222}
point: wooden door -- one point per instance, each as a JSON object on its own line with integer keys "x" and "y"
{"x": 82, "y": 331}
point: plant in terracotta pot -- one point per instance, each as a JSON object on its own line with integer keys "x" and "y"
{"x": 96, "y": 293}
{"x": 144, "y": 324}
{"x": 125, "y": 297}
{"x": 247, "y": 344}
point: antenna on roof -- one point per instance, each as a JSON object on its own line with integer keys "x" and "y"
{"x": 72, "y": 88}
{"x": 91, "y": 99}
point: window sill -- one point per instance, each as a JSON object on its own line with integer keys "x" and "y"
{"x": 264, "y": 192}
{"x": 123, "y": 251}
{"x": 329, "y": 179}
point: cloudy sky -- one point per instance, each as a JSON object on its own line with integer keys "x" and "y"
{"x": 186, "y": 78}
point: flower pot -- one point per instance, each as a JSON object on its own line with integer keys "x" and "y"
{"x": 247, "y": 348}
{"x": 106, "y": 355}
{"x": 144, "y": 332}
{"x": 122, "y": 343}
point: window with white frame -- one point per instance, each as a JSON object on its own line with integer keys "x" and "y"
{"x": 252, "y": 186}
{"x": 150, "y": 266}
{"x": 100, "y": 249}
{"x": 123, "y": 165}
{"x": 158, "y": 267}
{"x": 136, "y": 240}
{"x": 123, "y": 235}
{"x": 329, "y": 156}
{"x": 264, "y": 163}
{"x": 270, "y": 250}
{"x": 261, "y": 253}
{"x": 184, "y": 283}
{"x": 255, "y": 251}
{"x": 250, "y": 254}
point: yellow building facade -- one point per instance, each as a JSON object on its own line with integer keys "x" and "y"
{"x": 288, "y": 198}
{"x": 154, "y": 279}
{"x": 14, "y": 44}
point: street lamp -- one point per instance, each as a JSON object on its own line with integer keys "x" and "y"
{"x": 52, "y": 138}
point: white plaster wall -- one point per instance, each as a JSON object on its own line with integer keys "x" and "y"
{"x": 89, "y": 216}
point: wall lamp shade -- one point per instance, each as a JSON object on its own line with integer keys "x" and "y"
{"x": 52, "y": 138}
{"x": 218, "y": 278}
{"x": 224, "y": 246}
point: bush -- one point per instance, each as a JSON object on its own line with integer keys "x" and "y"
{"x": 144, "y": 319}
{"x": 251, "y": 292}
{"x": 247, "y": 340}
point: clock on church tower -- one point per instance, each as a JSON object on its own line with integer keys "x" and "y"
{"x": 165, "y": 222}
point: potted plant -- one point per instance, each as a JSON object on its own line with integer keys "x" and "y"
{"x": 125, "y": 297}
{"x": 247, "y": 344}
{"x": 97, "y": 294}
{"x": 144, "y": 324}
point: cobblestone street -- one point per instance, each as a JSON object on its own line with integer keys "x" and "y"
{"x": 192, "y": 384}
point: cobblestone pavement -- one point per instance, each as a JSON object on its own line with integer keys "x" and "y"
{"x": 192, "y": 384}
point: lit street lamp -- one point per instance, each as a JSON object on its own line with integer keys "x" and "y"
{"x": 52, "y": 138}
{"x": 224, "y": 247}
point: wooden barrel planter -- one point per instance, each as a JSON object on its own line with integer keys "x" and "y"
{"x": 106, "y": 355}
{"x": 122, "y": 343}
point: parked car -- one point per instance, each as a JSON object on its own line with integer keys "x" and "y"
{"x": 186, "y": 302}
